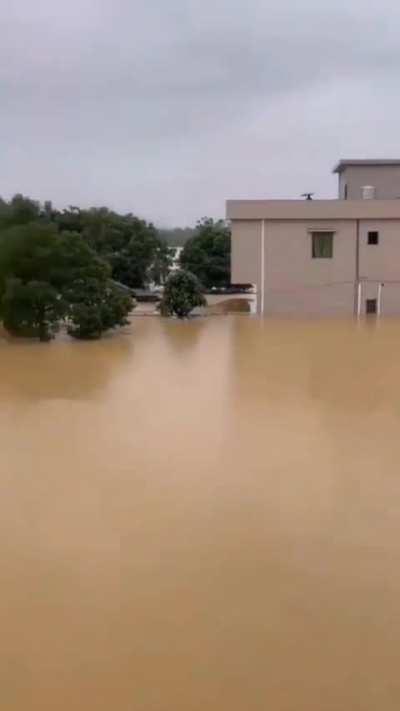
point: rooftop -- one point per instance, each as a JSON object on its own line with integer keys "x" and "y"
{"x": 349, "y": 162}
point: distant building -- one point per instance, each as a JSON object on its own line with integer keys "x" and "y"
{"x": 321, "y": 257}
{"x": 176, "y": 255}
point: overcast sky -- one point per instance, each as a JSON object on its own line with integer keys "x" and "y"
{"x": 168, "y": 107}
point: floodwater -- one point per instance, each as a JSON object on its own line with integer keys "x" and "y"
{"x": 202, "y": 516}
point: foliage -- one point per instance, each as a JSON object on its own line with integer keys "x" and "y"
{"x": 32, "y": 309}
{"x": 67, "y": 264}
{"x": 176, "y": 236}
{"x": 128, "y": 244}
{"x": 161, "y": 265}
{"x": 95, "y": 306}
{"x": 207, "y": 254}
{"x": 19, "y": 211}
{"x": 47, "y": 275}
{"x": 182, "y": 294}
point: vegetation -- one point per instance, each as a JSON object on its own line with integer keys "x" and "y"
{"x": 32, "y": 309}
{"x": 176, "y": 236}
{"x": 129, "y": 245}
{"x": 48, "y": 275}
{"x": 95, "y": 306}
{"x": 207, "y": 253}
{"x": 80, "y": 267}
{"x": 182, "y": 294}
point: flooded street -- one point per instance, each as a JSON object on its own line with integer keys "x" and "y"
{"x": 202, "y": 516}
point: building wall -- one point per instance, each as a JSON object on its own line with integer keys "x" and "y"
{"x": 381, "y": 264}
{"x": 295, "y": 283}
{"x": 246, "y": 252}
{"x": 386, "y": 180}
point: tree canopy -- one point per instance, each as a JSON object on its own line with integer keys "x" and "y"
{"x": 207, "y": 253}
{"x": 80, "y": 266}
{"x": 48, "y": 274}
{"x": 128, "y": 244}
{"x": 182, "y": 294}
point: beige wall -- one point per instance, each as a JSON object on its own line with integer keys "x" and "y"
{"x": 386, "y": 180}
{"x": 382, "y": 261}
{"x": 295, "y": 283}
{"x": 381, "y": 264}
{"x": 246, "y": 252}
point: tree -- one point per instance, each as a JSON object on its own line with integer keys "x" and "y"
{"x": 182, "y": 294}
{"x": 128, "y": 244}
{"x": 161, "y": 265}
{"x": 207, "y": 254}
{"x": 95, "y": 306}
{"x": 47, "y": 276}
{"x": 33, "y": 309}
{"x": 176, "y": 236}
{"x": 28, "y": 252}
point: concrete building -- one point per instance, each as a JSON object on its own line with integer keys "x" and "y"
{"x": 324, "y": 257}
{"x": 378, "y": 179}
{"x": 176, "y": 255}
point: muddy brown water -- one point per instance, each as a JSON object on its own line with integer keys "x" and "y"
{"x": 202, "y": 515}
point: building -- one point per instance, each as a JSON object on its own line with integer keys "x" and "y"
{"x": 175, "y": 253}
{"x": 322, "y": 257}
{"x": 356, "y": 176}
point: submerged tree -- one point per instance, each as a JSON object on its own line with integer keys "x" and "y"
{"x": 47, "y": 276}
{"x": 182, "y": 294}
{"x": 33, "y": 309}
{"x": 207, "y": 254}
{"x": 95, "y": 306}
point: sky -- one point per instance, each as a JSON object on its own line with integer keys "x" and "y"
{"x": 166, "y": 108}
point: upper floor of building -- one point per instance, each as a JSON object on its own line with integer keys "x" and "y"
{"x": 368, "y": 179}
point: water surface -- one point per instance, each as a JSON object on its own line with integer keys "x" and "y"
{"x": 202, "y": 515}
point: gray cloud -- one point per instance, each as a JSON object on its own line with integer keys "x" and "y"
{"x": 169, "y": 108}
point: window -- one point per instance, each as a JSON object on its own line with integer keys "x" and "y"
{"x": 322, "y": 245}
{"x": 373, "y": 237}
{"x": 370, "y": 306}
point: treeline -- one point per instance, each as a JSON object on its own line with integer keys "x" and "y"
{"x": 177, "y": 236}
{"x": 80, "y": 266}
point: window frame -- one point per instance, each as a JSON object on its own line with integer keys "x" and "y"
{"x": 325, "y": 232}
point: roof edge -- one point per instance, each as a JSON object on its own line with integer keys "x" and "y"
{"x": 312, "y": 209}
{"x": 344, "y": 163}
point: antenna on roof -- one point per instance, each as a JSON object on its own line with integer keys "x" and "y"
{"x": 308, "y": 196}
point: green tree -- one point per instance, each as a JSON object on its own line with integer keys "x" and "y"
{"x": 95, "y": 306}
{"x": 176, "y": 236}
{"x": 207, "y": 254}
{"x": 161, "y": 265}
{"x": 28, "y": 252}
{"x": 33, "y": 309}
{"x": 128, "y": 244}
{"x": 182, "y": 294}
{"x": 46, "y": 276}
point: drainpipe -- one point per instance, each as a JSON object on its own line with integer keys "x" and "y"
{"x": 359, "y": 299}
{"x": 379, "y": 304}
{"x": 357, "y": 283}
{"x": 262, "y": 299}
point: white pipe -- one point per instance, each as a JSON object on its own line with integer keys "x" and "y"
{"x": 262, "y": 300}
{"x": 359, "y": 293}
{"x": 379, "y": 304}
